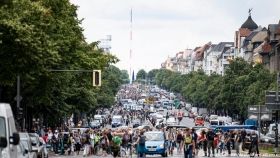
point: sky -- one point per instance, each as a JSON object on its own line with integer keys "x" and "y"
{"x": 161, "y": 28}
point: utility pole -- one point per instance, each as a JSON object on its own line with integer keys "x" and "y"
{"x": 18, "y": 99}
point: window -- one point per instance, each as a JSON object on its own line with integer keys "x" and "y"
{"x": 210, "y": 63}
{"x": 2, "y": 127}
{"x": 154, "y": 136}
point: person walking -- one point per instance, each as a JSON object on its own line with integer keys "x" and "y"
{"x": 227, "y": 142}
{"x": 170, "y": 138}
{"x": 141, "y": 145}
{"x": 210, "y": 135}
{"x": 254, "y": 142}
{"x": 179, "y": 140}
{"x": 238, "y": 140}
{"x": 203, "y": 141}
{"x": 194, "y": 137}
{"x": 78, "y": 145}
{"x": 188, "y": 144}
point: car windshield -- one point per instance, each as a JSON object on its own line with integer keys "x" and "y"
{"x": 214, "y": 122}
{"x": 154, "y": 136}
{"x": 2, "y": 127}
{"x": 116, "y": 120}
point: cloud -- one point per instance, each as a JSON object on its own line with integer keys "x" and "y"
{"x": 161, "y": 28}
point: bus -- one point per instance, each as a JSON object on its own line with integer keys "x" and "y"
{"x": 233, "y": 127}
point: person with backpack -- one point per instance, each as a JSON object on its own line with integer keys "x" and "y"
{"x": 210, "y": 135}
{"x": 116, "y": 143}
{"x": 141, "y": 144}
{"x": 188, "y": 144}
{"x": 126, "y": 138}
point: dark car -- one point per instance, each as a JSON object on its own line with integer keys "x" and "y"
{"x": 136, "y": 123}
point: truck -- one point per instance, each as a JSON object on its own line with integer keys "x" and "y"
{"x": 9, "y": 137}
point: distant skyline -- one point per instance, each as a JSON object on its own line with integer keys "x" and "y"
{"x": 162, "y": 28}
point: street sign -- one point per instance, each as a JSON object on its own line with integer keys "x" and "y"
{"x": 262, "y": 111}
{"x": 270, "y": 100}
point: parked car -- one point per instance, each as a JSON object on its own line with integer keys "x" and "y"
{"x": 37, "y": 146}
{"x": 26, "y": 141}
{"x": 267, "y": 138}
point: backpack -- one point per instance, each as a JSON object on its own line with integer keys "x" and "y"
{"x": 188, "y": 139}
{"x": 210, "y": 136}
{"x": 126, "y": 138}
{"x": 194, "y": 135}
{"x": 142, "y": 140}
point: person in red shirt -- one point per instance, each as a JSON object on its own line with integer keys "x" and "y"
{"x": 45, "y": 137}
{"x": 203, "y": 141}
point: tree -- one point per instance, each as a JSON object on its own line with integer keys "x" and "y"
{"x": 125, "y": 76}
{"x": 141, "y": 75}
{"x": 38, "y": 36}
{"x": 152, "y": 75}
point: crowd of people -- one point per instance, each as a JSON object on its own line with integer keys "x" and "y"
{"x": 126, "y": 141}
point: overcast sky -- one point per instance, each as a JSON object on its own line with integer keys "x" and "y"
{"x": 161, "y": 28}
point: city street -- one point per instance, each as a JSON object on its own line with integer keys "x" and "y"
{"x": 99, "y": 77}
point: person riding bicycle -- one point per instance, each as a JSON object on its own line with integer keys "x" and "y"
{"x": 254, "y": 143}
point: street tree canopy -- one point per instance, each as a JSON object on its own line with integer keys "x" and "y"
{"x": 243, "y": 84}
{"x": 43, "y": 35}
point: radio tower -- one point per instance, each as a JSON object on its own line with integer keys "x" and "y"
{"x": 130, "y": 50}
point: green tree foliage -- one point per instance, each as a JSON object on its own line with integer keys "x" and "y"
{"x": 43, "y": 35}
{"x": 141, "y": 75}
{"x": 125, "y": 76}
{"x": 243, "y": 84}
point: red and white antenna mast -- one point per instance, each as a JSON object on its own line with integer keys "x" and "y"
{"x": 130, "y": 50}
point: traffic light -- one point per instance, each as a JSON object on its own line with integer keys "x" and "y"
{"x": 96, "y": 77}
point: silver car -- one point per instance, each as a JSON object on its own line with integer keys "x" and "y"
{"x": 26, "y": 142}
{"x": 37, "y": 146}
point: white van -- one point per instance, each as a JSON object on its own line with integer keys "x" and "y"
{"x": 217, "y": 122}
{"x": 9, "y": 138}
